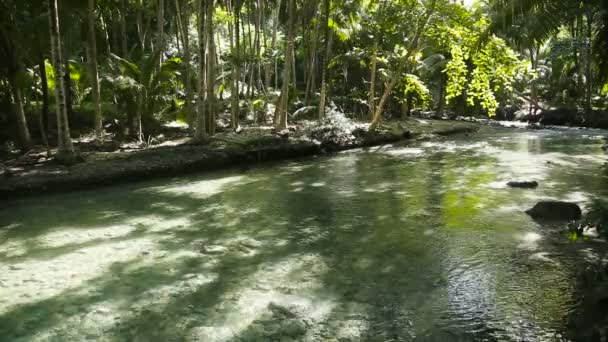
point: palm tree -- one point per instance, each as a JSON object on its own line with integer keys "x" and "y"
{"x": 94, "y": 71}
{"x": 64, "y": 143}
{"x": 8, "y": 53}
{"x": 542, "y": 19}
{"x": 281, "y": 123}
{"x": 324, "y": 58}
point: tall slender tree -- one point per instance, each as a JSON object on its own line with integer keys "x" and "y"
{"x": 210, "y": 39}
{"x": 236, "y": 70}
{"x": 183, "y": 23}
{"x": 9, "y": 52}
{"x": 64, "y": 140}
{"x": 94, "y": 69}
{"x": 200, "y": 129}
{"x": 283, "y": 104}
{"x": 325, "y": 57}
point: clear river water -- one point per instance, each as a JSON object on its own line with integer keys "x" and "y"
{"x": 418, "y": 242}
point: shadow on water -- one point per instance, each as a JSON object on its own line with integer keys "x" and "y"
{"x": 359, "y": 246}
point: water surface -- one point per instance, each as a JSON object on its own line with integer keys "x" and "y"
{"x": 394, "y": 243}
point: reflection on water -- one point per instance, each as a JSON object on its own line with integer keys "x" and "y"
{"x": 398, "y": 243}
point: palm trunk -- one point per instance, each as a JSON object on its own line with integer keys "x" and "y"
{"x": 312, "y": 71}
{"x": 123, "y": 29}
{"x": 210, "y": 117}
{"x": 183, "y": 22}
{"x": 137, "y": 124}
{"x": 581, "y": 59}
{"x": 372, "y": 83}
{"x": 25, "y": 141}
{"x": 105, "y": 29}
{"x": 289, "y": 43}
{"x": 324, "y": 58}
{"x": 588, "y": 74}
{"x": 200, "y": 114}
{"x": 64, "y": 141}
{"x": 250, "y": 90}
{"x": 44, "y": 115}
{"x": 236, "y": 73}
{"x": 160, "y": 21}
{"x": 258, "y": 46}
{"x": 274, "y": 44}
{"x": 93, "y": 66}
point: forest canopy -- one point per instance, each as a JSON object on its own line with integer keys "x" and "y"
{"x": 128, "y": 67}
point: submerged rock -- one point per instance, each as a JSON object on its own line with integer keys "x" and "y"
{"x": 523, "y": 184}
{"x": 555, "y": 211}
{"x": 293, "y": 328}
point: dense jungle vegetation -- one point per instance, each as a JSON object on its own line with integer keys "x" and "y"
{"x": 124, "y": 68}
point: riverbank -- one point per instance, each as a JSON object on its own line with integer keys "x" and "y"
{"x": 252, "y": 145}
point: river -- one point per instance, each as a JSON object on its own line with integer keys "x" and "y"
{"x": 422, "y": 242}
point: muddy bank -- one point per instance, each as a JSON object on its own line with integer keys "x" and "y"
{"x": 228, "y": 149}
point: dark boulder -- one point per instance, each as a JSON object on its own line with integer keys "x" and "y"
{"x": 555, "y": 211}
{"x": 524, "y": 184}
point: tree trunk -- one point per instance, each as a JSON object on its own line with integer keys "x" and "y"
{"x": 236, "y": 70}
{"x": 210, "y": 115}
{"x": 372, "y": 83}
{"x": 123, "y": 29}
{"x": 258, "y": 45}
{"x": 25, "y": 141}
{"x": 441, "y": 104}
{"x": 69, "y": 98}
{"x": 160, "y": 21}
{"x": 93, "y": 68}
{"x": 274, "y": 45}
{"x": 64, "y": 141}
{"x": 581, "y": 59}
{"x": 106, "y": 33}
{"x": 137, "y": 124}
{"x": 312, "y": 70}
{"x": 250, "y": 90}
{"x": 534, "y": 64}
{"x": 324, "y": 59}
{"x": 200, "y": 114}
{"x": 261, "y": 36}
{"x": 183, "y": 22}
{"x": 397, "y": 75}
{"x": 289, "y": 44}
{"x": 588, "y": 74}
{"x": 382, "y": 103}
{"x": 44, "y": 115}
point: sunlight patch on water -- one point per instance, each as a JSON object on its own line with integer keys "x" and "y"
{"x": 31, "y": 280}
{"x": 542, "y": 256}
{"x": 202, "y": 189}
{"x": 101, "y": 317}
{"x": 290, "y": 285}
{"x": 529, "y": 240}
{"x": 405, "y": 152}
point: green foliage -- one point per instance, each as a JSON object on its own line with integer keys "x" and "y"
{"x": 415, "y": 88}
{"x": 479, "y": 67}
{"x": 151, "y": 87}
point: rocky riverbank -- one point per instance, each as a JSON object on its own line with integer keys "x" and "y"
{"x": 253, "y": 145}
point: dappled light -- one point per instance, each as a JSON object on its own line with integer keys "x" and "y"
{"x": 332, "y": 247}
{"x": 303, "y": 170}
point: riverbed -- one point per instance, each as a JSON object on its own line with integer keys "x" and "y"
{"x": 416, "y": 242}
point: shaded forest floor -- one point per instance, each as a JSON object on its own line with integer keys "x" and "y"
{"x": 174, "y": 152}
